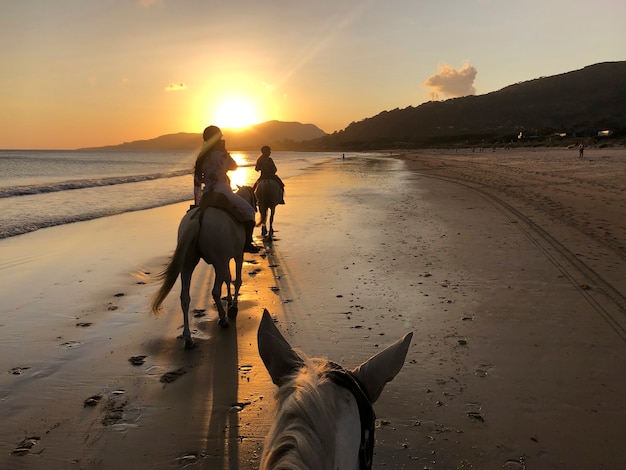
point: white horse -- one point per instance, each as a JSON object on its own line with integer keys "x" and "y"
{"x": 216, "y": 237}
{"x": 268, "y": 193}
{"x": 325, "y": 419}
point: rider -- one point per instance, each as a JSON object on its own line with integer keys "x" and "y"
{"x": 268, "y": 170}
{"x": 210, "y": 176}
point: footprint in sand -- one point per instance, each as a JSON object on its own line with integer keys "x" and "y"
{"x": 114, "y": 411}
{"x": 26, "y": 445}
{"x": 92, "y": 400}
{"x": 171, "y": 376}
{"x": 199, "y": 312}
{"x": 239, "y": 406}
{"x": 137, "y": 360}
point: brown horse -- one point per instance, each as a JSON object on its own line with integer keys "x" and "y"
{"x": 268, "y": 193}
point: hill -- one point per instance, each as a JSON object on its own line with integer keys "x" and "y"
{"x": 279, "y": 135}
{"x": 574, "y": 104}
{"x": 578, "y": 103}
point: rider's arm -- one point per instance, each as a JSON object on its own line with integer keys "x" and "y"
{"x": 197, "y": 190}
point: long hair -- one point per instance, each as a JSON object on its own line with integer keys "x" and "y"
{"x": 211, "y": 136}
{"x": 305, "y": 423}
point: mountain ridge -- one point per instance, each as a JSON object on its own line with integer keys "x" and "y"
{"x": 276, "y": 134}
{"x": 578, "y": 103}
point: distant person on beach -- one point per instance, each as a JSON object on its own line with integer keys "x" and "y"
{"x": 265, "y": 164}
{"x": 581, "y": 150}
{"x": 212, "y": 164}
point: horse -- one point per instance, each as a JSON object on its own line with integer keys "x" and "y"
{"x": 268, "y": 193}
{"x": 216, "y": 237}
{"x": 325, "y": 419}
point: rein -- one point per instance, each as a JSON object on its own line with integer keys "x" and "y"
{"x": 343, "y": 378}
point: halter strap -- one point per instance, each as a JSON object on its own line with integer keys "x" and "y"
{"x": 343, "y": 378}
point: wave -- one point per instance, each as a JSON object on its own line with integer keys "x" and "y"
{"x": 43, "y": 188}
{"x": 21, "y": 227}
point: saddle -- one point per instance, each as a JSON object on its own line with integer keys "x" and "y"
{"x": 219, "y": 201}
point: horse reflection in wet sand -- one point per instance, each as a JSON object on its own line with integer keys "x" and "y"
{"x": 216, "y": 237}
{"x": 325, "y": 419}
{"x": 269, "y": 194}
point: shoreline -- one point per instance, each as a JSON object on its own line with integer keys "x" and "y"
{"x": 510, "y": 355}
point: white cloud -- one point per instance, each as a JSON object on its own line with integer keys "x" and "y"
{"x": 452, "y": 82}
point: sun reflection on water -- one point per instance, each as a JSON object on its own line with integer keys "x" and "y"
{"x": 242, "y": 176}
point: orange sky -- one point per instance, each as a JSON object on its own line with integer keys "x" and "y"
{"x": 83, "y": 73}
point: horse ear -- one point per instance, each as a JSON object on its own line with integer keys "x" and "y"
{"x": 383, "y": 367}
{"x": 279, "y": 358}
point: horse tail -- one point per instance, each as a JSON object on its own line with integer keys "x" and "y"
{"x": 169, "y": 275}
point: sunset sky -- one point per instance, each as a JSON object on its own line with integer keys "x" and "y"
{"x": 79, "y": 73}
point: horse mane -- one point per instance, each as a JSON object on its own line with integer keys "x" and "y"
{"x": 247, "y": 193}
{"x": 305, "y": 422}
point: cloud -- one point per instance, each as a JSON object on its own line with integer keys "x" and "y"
{"x": 176, "y": 87}
{"x": 451, "y": 82}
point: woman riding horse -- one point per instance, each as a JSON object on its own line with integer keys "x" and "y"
{"x": 209, "y": 175}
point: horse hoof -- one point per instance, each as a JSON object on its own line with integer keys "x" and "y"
{"x": 223, "y": 323}
{"x": 233, "y": 311}
{"x": 190, "y": 344}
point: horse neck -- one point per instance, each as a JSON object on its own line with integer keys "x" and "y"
{"x": 246, "y": 193}
{"x": 317, "y": 425}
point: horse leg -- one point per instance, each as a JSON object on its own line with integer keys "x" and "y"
{"x": 271, "y": 233}
{"x": 234, "y": 308}
{"x": 229, "y": 297}
{"x": 185, "y": 298}
{"x": 220, "y": 278}
{"x": 263, "y": 212}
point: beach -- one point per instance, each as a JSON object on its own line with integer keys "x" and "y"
{"x": 509, "y": 266}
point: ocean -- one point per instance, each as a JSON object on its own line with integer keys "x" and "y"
{"x": 44, "y": 188}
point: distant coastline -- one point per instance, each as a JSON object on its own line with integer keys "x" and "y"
{"x": 279, "y": 135}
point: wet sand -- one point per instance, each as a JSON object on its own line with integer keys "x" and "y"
{"x": 509, "y": 267}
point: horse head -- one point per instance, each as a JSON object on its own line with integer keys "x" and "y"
{"x": 323, "y": 406}
{"x": 247, "y": 193}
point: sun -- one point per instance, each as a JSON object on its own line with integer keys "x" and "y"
{"x": 235, "y": 113}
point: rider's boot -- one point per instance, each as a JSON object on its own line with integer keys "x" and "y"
{"x": 249, "y": 247}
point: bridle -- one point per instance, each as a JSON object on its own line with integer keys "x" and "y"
{"x": 343, "y": 378}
